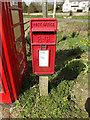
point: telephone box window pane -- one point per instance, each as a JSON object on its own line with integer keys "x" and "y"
{"x": 14, "y": 3}
{"x": 19, "y": 45}
{"x": 1, "y": 88}
{"x": 0, "y": 83}
{"x": 20, "y": 56}
{"x": 17, "y": 32}
{"x": 15, "y": 16}
{"x": 22, "y": 67}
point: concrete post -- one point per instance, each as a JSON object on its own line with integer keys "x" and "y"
{"x": 43, "y": 82}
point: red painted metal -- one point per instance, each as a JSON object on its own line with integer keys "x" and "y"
{"x": 10, "y": 60}
{"x": 43, "y": 31}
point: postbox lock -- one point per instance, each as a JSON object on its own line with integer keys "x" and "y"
{"x": 43, "y": 46}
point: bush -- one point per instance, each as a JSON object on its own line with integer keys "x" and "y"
{"x": 79, "y": 10}
{"x": 34, "y": 7}
{"x": 50, "y": 7}
{"x": 24, "y": 7}
{"x": 59, "y": 9}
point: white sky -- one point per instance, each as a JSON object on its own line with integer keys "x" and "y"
{"x": 29, "y": 1}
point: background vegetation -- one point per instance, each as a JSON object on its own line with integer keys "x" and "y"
{"x": 85, "y": 17}
{"x": 35, "y": 7}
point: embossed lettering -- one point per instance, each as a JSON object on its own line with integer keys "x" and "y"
{"x": 39, "y": 39}
{"x": 43, "y": 24}
{"x": 43, "y": 39}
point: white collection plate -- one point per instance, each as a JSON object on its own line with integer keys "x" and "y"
{"x": 43, "y": 58}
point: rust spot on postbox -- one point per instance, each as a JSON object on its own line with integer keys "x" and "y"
{"x": 43, "y": 32}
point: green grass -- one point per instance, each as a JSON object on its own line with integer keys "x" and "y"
{"x": 70, "y": 68}
{"x": 32, "y": 16}
{"x": 36, "y": 16}
{"x": 72, "y": 40}
{"x": 85, "y": 17}
{"x": 41, "y": 16}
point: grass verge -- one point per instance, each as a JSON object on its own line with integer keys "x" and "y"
{"x": 70, "y": 68}
{"x": 85, "y": 17}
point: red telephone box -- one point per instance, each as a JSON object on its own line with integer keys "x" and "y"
{"x": 13, "y": 62}
{"x": 43, "y": 33}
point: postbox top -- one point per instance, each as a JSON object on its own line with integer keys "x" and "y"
{"x": 43, "y": 24}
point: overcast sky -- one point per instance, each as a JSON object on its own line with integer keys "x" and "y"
{"x": 29, "y": 1}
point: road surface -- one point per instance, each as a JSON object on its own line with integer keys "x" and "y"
{"x": 72, "y": 20}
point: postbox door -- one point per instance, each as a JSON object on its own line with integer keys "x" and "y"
{"x": 43, "y": 59}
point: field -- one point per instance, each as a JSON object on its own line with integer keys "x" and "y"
{"x": 68, "y": 86}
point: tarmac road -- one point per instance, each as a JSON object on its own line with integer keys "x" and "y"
{"x": 72, "y": 20}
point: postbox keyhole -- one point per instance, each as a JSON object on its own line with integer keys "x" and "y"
{"x": 43, "y": 46}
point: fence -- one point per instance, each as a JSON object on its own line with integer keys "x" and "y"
{"x": 26, "y": 28}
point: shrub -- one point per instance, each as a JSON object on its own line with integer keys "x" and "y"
{"x": 50, "y": 7}
{"x": 34, "y": 7}
{"x": 79, "y": 10}
{"x": 24, "y": 7}
{"x": 70, "y": 13}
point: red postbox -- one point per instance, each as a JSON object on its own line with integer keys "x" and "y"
{"x": 43, "y": 32}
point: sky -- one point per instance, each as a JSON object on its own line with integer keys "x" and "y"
{"x": 29, "y": 1}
